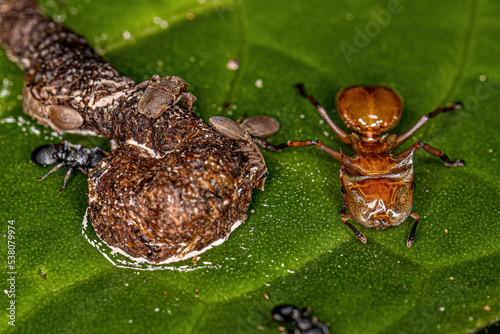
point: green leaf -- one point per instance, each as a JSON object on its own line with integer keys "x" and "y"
{"x": 293, "y": 248}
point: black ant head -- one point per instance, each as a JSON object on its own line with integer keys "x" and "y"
{"x": 285, "y": 313}
{"x": 46, "y": 154}
{"x": 96, "y": 155}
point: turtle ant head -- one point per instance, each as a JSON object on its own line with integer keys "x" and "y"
{"x": 369, "y": 110}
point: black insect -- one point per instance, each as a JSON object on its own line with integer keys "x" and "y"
{"x": 297, "y": 318}
{"x": 67, "y": 154}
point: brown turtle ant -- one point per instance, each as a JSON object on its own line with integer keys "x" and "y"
{"x": 293, "y": 316}
{"x": 377, "y": 186}
{"x": 67, "y": 154}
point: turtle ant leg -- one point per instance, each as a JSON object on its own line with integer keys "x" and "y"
{"x": 305, "y": 143}
{"x": 344, "y": 210}
{"x": 435, "y": 152}
{"x": 66, "y": 178}
{"x": 342, "y": 189}
{"x": 343, "y": 136}
{"x": 264, "y": 143}
{"x": 355, "y": 230}
{"x": 56, "y": 167}
{"x": 448, "y": 108}
{"x": 432, "y": 151}
{"x": 344, "y": 206}
{"x": 413, "y": 229}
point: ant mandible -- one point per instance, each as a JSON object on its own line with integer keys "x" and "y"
{"x": 377, "y": 186}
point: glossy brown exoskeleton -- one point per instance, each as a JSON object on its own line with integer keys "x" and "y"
{"x": 377, "y": 186}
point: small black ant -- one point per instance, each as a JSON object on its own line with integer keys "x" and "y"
{"x": 67, "y": 154}
{"x": 292, "y": 315}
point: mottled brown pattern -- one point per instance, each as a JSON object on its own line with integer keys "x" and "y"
{"x": 168, "y": 206}
{"x": 173, "y": 185}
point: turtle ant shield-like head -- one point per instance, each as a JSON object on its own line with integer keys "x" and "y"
{"x": 369, "y": 110}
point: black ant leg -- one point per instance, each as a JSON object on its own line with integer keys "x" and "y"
{"x": 448, "y": 108}
{"x": 355, "y": 230}
{"x": 343, "y": 136}
{"x": 56, "y": 167}
{"x": 67, "y": 144}
{"x": 66, "y": 178}
{"x": 413, "y": 229}
{"x": 431, "y": 150}
{"x": 83, "y": 170}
